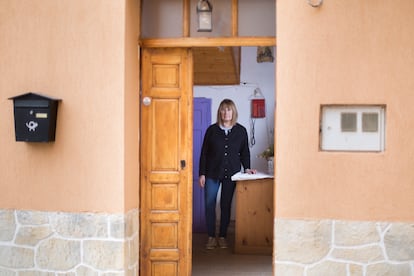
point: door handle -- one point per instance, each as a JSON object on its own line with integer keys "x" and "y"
{"x": 146, "y": 101}
{"x": 182, "y": 162}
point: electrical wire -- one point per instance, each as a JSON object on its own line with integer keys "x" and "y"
{"x": 252, "y": 139}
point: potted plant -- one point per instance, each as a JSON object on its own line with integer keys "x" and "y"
{"x": 268, "y": 154}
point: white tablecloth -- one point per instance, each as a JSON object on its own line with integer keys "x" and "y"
{"x": 245, "y": 176}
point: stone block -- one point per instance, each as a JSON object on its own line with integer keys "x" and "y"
{"x": 355, "y": 233}
{"x": 363, "y": 255}
{"x": 7, "y": 225}
{"x": 118, "y": 226}
{"x": 355, "y": 270}
{"x": 288, "y": 270}
{"x": 133, "y": 251}
{"x": 58, "y": 254}
{"x": 302, "y": 241}
{"x": 386, "y": 269}
{"x": 104, "y": 255}
{"x": 5, "y": 272}
{"x": 399, "y": 242}
{"x": 30, "y": 236}
{"x": 36, "y": 273}
{"x": 78, "y": 226}
{"x": 327, "y": 268}
{"x": 16, "y": 257}
{"x": 32, "y": 217}
{"x": 86, "y": 271}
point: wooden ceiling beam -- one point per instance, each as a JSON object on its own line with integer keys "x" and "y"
{"x": 242, "y": 41}
{"x": 235, "y": 18}
{"x": 186, "y": 18}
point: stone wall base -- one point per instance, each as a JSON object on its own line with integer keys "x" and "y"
{"x": 334, "y": 247}
{"x": 56, "y": 243}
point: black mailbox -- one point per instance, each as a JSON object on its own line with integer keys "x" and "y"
{"x": 35, "y": 117}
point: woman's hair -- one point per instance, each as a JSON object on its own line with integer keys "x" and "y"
{"x": 227, "y": 103}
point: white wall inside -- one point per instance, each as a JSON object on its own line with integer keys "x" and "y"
{"x": 253, "y": 75}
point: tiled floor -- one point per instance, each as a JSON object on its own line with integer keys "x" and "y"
{"x": 223, "y": 262}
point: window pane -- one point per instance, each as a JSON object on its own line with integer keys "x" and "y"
{"x": 348, "y": 122}
{"x": 370, "y": 122}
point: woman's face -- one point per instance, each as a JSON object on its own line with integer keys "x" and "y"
{"x": 226, "y": 114}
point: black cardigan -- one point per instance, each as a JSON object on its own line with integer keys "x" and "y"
{"x": 222, "y": 155}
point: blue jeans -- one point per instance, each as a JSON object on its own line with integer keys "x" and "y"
{"x": 210, "y": 195}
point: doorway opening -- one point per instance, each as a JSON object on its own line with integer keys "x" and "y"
{"x": 164, "y": 207}
{"x": 253, "y": 75}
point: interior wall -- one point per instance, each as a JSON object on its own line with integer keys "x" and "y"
{"x": 163, "y": 19}
{"x": 353, "y": 52}
{"x": 75, "y": 51}
{"x": 262, "y": 17}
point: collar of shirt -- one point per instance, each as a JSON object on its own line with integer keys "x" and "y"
{"x": 226, "y": 129}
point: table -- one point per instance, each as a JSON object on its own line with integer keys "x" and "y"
{"x": 254, "y": 214}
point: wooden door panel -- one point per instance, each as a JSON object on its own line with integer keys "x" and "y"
{"x": 164, "y": 197}
{"x": 164, "y": 235}
{"x": 166, "y": 158}
{"x": 164, "y": 268}
{"x": 166, "y": 76}
{"x": 165, "y": 134}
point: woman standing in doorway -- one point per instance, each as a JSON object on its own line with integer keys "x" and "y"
{"x": 225, "y": 149}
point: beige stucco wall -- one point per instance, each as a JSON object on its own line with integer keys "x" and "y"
{"x": 85, "y": 53}
{"x": 345, "y": 52}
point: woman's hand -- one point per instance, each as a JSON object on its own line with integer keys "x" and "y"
{"x": 202, "y": 181}
{"x": 250, "y": 171}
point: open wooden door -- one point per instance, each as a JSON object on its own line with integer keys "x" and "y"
{"x": 166, "y": 162}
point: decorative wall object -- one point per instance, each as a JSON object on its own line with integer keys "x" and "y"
{"x": 264, "y": 54}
